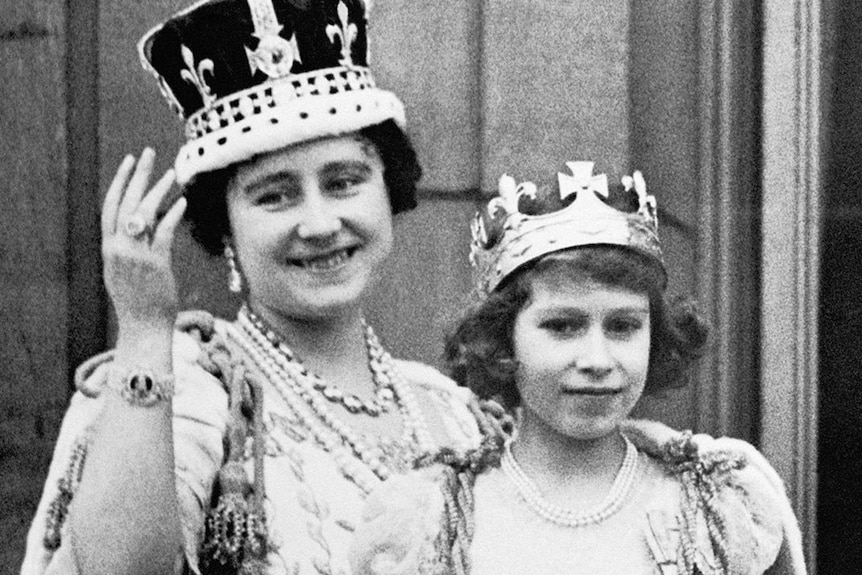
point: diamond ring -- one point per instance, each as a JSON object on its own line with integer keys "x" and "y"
{"x": 136, "y": 226}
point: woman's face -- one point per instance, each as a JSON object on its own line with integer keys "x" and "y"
{"x": 311, "y": 225}
{"x": 583, "y": 353}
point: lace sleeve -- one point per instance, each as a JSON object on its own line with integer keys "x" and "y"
{"x": 200, "y": 423}
{"x": 43, "y": 537}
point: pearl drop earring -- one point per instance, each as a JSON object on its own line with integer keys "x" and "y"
{"x": 234, "y": 276}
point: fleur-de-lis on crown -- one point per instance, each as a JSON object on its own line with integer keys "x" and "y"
{"x": 195, "y": 76}
{"x": 646, "y": 203}
{"x": 510, "y": 194}
{"x": 346, "y": 33}
{"x": 582, "y": 178}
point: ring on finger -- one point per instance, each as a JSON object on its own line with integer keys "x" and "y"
{"x": 136, "y": 226}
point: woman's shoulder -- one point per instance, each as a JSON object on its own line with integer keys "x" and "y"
{"x": 429, "y": 377}
{"x": 444, "y": 403}
{"x": 742, "y": 510}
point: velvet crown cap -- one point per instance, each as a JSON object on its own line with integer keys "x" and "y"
{"x": 254, "y": 76}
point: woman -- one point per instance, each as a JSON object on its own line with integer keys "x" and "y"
{"x": 203, "y": 445}
{"x": 572, "y": 329}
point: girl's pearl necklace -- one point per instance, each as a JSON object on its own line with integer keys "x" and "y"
{"x": 358, "y": 461}
{"x": 531, "y": 494}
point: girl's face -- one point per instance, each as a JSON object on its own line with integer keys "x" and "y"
{"x": 311, "y": 225}
{"x": 583, "y": 353}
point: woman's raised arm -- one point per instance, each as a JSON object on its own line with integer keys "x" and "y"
{"x": 125, "y": 517}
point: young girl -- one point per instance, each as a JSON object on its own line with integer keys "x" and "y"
{"x": 572, "y": 329}
{"x": 211, "y": 446}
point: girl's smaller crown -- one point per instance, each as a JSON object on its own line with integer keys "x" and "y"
{"x": 522, "y": 224}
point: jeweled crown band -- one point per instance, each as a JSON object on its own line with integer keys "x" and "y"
{"x": 259, "y": 99}
{"x": 522, "y": 224}
{"x": 303, "y": 120}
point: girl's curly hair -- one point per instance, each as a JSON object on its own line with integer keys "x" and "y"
{"x": 479, "y": 353}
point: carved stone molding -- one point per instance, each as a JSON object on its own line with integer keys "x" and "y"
{"x": 728, "y": 219}
{"x": 792, "y": 139}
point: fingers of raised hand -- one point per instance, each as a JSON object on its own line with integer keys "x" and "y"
{"x": 130, "y": 212}
{"x": 137, "y": 186}
{"x": 115, "y": 193}
{"x": 148, "y": 208}
{"x": 164, "y": 234}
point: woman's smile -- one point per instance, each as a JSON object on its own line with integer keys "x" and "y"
{"x": 325, "y": 262}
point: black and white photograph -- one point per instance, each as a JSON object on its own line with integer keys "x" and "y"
{"x": 465, "y": 287}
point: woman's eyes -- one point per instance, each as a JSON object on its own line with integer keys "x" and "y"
{"x": 284, "y": 197}
{"x": 342, "y": 184}
{"x": 276, "y": 197}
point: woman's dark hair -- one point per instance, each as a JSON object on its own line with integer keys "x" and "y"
{"x": 206, "y": 193}
{"x": 480, "y": 352}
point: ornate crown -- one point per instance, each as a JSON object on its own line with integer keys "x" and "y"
{"x": 522, "y": 224}
{"x": 253, "y": 76}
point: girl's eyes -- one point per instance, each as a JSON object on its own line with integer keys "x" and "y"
{"x": 563, "y": 326}
{"x": 615, "y": 327}
{"x": 623, "y": 327}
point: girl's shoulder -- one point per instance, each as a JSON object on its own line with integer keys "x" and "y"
{"x": 733, "y": 507}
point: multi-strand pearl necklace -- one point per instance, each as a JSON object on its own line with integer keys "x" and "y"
{"x": 565, "y": 517}
{"x": 384, "y": 395}
{"x": 359, "y": 461}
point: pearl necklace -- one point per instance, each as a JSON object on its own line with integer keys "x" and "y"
{"x": 381, "y": 376}
{"x": 358, "y": 460}
{"x": 565, "y": 517}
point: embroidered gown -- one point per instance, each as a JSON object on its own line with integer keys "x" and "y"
{"x": 646, "y": 535}
{"x": 312, "y": 508}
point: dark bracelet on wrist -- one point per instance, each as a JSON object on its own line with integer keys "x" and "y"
{"x": 141, "y": 386}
